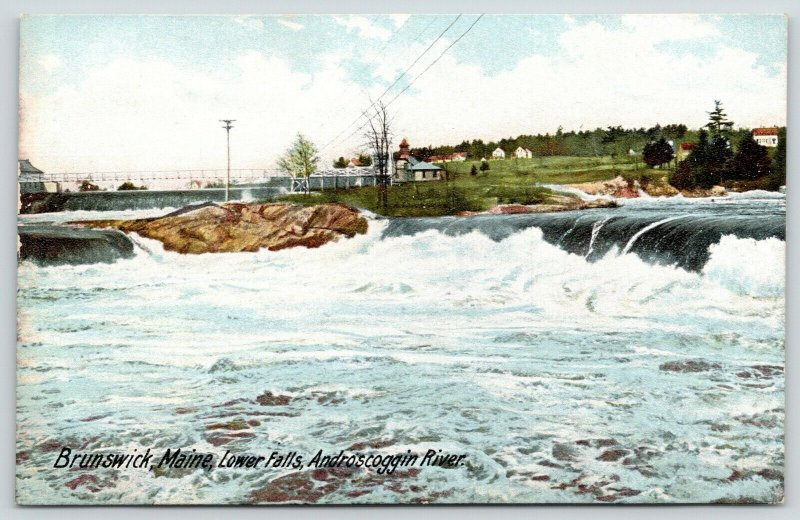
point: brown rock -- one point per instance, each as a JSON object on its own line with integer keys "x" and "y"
{"x": 83, "y": 480}
{"x": 690, "y": 365}
{"x": 627, "y": 192}
{"x": 270, "y": 399}
{"x": 236, "y": 424}
{"x": 612, "y": 455}
{"x": 244, "y": 227}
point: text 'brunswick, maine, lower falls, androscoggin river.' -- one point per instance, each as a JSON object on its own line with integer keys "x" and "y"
{"x": 616, "y": 355}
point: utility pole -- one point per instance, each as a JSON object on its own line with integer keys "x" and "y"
{"x": 227, "y": 128}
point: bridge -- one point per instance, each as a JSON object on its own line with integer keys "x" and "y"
{"x": 329, "y": 178}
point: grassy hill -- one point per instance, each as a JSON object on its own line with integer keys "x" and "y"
{"x": 507, "y": 181}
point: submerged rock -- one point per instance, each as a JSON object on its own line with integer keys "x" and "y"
{"x": 238, "y": 227}
{"x": 691, "y": 365}
{"x": 54, "y": 245}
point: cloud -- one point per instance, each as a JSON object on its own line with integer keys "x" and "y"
{"x": 363, "y": 26}
{"x": 250, "y": 22}
{"x": 142, "y": 114}
{"x": 399, "y": 19}
{"x": 294, "y": 26}
{"x": 49, "y": 62}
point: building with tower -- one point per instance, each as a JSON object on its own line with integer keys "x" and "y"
{"x": 408, "y": 168}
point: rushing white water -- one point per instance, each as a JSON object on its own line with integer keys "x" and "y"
{"x": 533, "y": 361}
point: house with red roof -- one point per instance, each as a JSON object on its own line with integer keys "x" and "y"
{"x": 766, "y": 136}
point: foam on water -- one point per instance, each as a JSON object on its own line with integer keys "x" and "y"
{"x": 524, "y": 356}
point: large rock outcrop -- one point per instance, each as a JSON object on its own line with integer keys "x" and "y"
{"x": 237, "y": 227}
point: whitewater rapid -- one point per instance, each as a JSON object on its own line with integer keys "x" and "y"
{"x": 494, "y": 341}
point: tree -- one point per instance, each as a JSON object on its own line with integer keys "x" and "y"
{"x": 300, "y": 159}
{"x": 718, "y": 155}
{"x": 379, "y": 136}
{"x": 657, "y": 153}
{"x": 340, "y": 163}
{"x": 683, "y": 178}
{"x": 129, "y": 186}
{"x": 699, "y": 155}
{"x": 473, "y": 171}
{"x": 675, "y": 131}
{"x": 88, "y": 186}
{"x": 484, "y": 166}
{"x": 778, "y": 177}
{"x": 718, "y": 122}
{"x": 365, "y": 159}
{"x": 750, "y": 162}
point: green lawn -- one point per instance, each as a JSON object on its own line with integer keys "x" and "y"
{"x": 506, "y": 182}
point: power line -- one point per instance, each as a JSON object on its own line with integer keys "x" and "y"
{"x": 415, "y": 78}
{"x": 363, "y": 112}
{"x": 379, "y": 53}
{"x": 437, "y": 59}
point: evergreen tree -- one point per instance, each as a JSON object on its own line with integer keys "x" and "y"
{"x": 750, "y": 162}
{"x": 485, "y": 166}
{"x": 778, "y": 177}
{"x": 699, "y": 156}
{"x": 473, "y": 171}
{"x": 683, "y": 178}
{"x": 718, "y": 122}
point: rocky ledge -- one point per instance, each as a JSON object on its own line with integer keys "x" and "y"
{"x": 555, "y": 204}
{"x": 237, "y": 227}
{"x": 620, "y": 188}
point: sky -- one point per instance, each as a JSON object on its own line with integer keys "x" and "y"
{"x": 128, "y": 93}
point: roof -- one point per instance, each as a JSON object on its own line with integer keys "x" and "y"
{"x": 25, "y": 166}
{"x": 446, "y": 157}
{"x": 765, "y": 131}
{"x": 417, "y": 165}
{"x": 404, "y": 143}
{"x": 687, "y": 146}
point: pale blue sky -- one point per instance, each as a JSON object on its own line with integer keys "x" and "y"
{"x": 207, "y": 43}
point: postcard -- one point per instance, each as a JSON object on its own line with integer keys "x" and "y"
{"x": 401, "y": 259}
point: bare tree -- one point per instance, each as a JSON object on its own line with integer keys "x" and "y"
{"x": 378, "y": 134}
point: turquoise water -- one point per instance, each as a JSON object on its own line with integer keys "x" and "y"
{"x": 563, "y": 377}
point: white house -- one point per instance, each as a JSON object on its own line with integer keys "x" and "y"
{"x": 498, "y": 153}
{"x": 766, "y": 136}
{"x": 522, "y": 153}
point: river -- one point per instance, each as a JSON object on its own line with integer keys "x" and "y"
{"x": 624, "y": 355}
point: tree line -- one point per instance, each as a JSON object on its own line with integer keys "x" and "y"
{"x": 716, "y": 159}
{"x": 612, "y": 140}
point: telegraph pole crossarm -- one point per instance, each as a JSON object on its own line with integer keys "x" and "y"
{"x": 227, "y": 128}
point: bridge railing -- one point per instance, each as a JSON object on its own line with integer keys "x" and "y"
{"x": 239, "y": 174}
